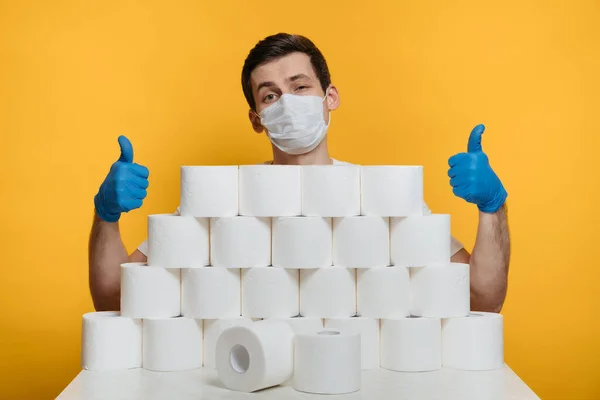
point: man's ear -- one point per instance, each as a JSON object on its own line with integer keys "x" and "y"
{"x": 333, "y": 98}
{"x": 255, "y": 121}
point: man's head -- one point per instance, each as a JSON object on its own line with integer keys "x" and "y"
{"x": 285, "y": 64}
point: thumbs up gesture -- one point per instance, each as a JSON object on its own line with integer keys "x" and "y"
{"x": 124, "y": 188}
{"x": 472, "y": 177}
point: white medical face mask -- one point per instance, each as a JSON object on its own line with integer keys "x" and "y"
{"x": 295, "y": 123}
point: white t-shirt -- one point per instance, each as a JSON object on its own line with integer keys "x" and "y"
{"x": 455, "y": 245}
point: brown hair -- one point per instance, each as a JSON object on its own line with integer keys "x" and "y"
{"x": 277, "y": 46}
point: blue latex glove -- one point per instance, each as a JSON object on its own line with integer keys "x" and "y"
{"x": 124, "y": 188}
{"x": 472, "y": 178}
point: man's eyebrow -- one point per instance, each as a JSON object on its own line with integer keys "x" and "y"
{"x": 264, "y": 84}
{"x": 298, "y": 77}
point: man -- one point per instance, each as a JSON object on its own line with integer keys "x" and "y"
{"x": 286, "y": 82}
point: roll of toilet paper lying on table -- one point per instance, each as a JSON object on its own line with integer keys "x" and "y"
{"x": 361, "y": 242}
{"x": 420, "y": 241}
{"x": 148, "y": 292}
{"x": 474, "y": 342}
{"x": 240, "y": 242}
{"x": 269, "y": 292}
{"x": 327, "y": 362}
{"x": 302, "y": 242}
{"x": 255, "y": 357}
{"x": 383, "y": 292}
{"x": 368, "y": 328}
{"x": 177, "y": 242}
{"x": 172, "y": 344}
{"x": 212, "y": 330}
{"x": 328, "y": 292}
{"x": 110, "y": 341}
{"x": 330, "y": 190}
{"x": 392, "y": 190}
{"x": 270, "y": 190}
{"x": 210, "y": 292}
{"x": 209, "y": 191}
{"x": 440, "y": 291}
{"x": 411, "y": 344}
{"x": 302, "y": 324}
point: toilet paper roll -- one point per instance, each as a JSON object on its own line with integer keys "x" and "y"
{"x": 269, "y": 292}
{"x": 411, "y": 344}
{"x": 212, "y": 330}
{"x": 172, "y": 344}
{"x": 440, "y": 291}
{"x": 110, "y": 341}
{"x": 361, "y": 242}
{"x": 209, "y": 191}
{"x": 240, "y": 242}
{"x": 330, "y": 190}
{"x": 383, "y": 292}
{"x": 392, "y": 190}
{"x": 210, "y": 292}
{"x": 328, "y": 292}
{"x": 302, "y": 324}
{"x": 177, "y": 242}
{"x": 420, "y": 241}
{"x": 302, "y": 242}
{"x": 150, "y": 292}
{"x": 270, "y": 190}
{"x": 255, "y": 357}
{"x": 474, "y": 342}
{"x": 368, "y": 328}
{"x": 327, "y": 362}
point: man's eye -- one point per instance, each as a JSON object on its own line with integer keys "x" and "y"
{"x": 301, "y": 87}
{"x": 269, "y": 97}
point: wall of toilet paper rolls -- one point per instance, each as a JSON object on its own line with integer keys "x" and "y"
{"x": 340, "y": 258}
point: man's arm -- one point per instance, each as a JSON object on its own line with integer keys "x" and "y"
{"x": 106, "y": 254}
{"x": 473, "y": 179}
{"x": 489, "y": 262}
{"x": 123, "y": 190}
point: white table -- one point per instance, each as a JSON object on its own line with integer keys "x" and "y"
{"x": 199, "y": 384}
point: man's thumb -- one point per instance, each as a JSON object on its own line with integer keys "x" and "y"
{"x": 475, "y": 139}
{"x": 126, "y": 150}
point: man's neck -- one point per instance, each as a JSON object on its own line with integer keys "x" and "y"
{"x": 319, "y": 156}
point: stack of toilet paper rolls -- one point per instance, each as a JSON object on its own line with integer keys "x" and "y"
{"x": 328, "y": 256}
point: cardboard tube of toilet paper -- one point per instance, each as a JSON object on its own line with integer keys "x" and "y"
{"x": 383, "y": 292}
{"x": 411, "y": 344}
{"x": 440, "y": 291}
{"x": 240, "y": 242}
{"x": 368, "y": 328}
{"x": 150, "y": 292}
{"x": 328, "y": 292}
{"x": 330, "y": 190}
{"x": 177, "y": 242}
{"x": 301, "y": 324}
{"x": 110, "y": 342}
{"x": 392, "y": 190}
{"x": 327, "y": 362}
{"x": 209, "y": 191}
{"x": 302, "y": 242}
{"x": 361, "y": 242}
{"x": 212, "y": 330}
{"x": 210, "y": 292}
{"x": 474, "y": 342}
{"x": 255, "y": 357}
{"x": 172, "y": 344}
{"x": 420, "y": 241}
{"x": 270, "y": 190}
{"x": 269, "y": 292}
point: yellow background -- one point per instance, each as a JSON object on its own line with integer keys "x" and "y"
{"x": 414, "y": 78}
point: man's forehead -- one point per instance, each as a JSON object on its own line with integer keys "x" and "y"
{"x": 283, "y": 68}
